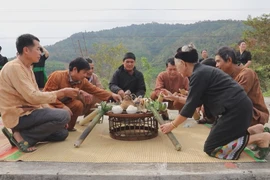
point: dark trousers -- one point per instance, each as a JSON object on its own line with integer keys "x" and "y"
{"x": 43, "y": 125}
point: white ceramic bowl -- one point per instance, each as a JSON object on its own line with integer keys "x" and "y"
{"x": 132, "y": 110}
{"x": 117, "y": 110}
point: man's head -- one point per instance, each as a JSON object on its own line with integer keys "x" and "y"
{"x": 209, "y": 62}
{"x": 91, "y": 70}
{"x": 225, "y": 58}
{"x": 28, "y": 46}
{"x": 242, "y": 45}
{"x": 187, "y": 55}
{"x": 78, "y": 69}
{"x": 171, "y": 68}
{"x": 129, "y": 61}
{"x": 204, "y": 54}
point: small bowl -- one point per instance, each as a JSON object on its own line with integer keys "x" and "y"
{"x": 132, "y": 111}
{"x": 117, "y": 110}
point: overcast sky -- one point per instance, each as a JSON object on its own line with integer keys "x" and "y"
{"x": 55, "y": 20}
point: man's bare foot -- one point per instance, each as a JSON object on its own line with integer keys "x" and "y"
{"x": 17, "y": 136}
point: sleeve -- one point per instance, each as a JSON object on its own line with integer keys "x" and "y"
{"x": 52, "y": 85}
{"x": 197, "y": 86}
{"x": 21, "y": 82}
{"x": 113, "y": 85}
{"x": 141, "y": 85}
{"x": 246, "y": 80}
{"x": 159, "y": 84}
{"x": 96, "y": 91}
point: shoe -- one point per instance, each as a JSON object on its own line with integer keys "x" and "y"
{"x": 266, "y": 129}
{"x": 22, "y": 145}
{"x": 72, "y": 130}
{"x": 263, "y": 152}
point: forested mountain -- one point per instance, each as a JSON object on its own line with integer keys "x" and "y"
{"x": 154, "y": 41}
{"x": 152, "y": 44}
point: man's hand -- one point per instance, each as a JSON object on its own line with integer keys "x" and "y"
{"x": 168, "y": 95}
{"x": 117, "y": 97}
{"x": 121, "y": 93}
{"x": 85, "y": 97}
{"x": 166, "y": 128}
{"x": 70, "y": 92}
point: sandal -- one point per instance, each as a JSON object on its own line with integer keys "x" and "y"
{"x": 8, "y": 136}
{"x": 22, "y": 145}
{"x": 263, "y": 152}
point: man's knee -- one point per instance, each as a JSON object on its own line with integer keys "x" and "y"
{"x": 178, "y": 105}
{"x": 63, "y": 117}
{"x": 60, "y": 135}
{"x": 76, "y": 107}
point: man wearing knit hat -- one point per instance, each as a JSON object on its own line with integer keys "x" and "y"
{"x": 127, "y": 77}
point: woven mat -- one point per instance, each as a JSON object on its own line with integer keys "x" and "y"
{"x": 100, "y": 147}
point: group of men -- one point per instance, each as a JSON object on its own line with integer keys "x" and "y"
{"x": 48, "y": 115}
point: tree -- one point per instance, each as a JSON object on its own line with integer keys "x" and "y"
{"x": 107, "y": 58}
{"x": 257, "y": 37}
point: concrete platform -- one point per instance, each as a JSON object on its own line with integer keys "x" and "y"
{"x": 133, "y": 171}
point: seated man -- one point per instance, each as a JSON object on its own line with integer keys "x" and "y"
{"x": 172, "y": 81}
{"x": 24, "y": 107}
{"x": 127, "y": 77}
{"x": 75, "y": 77}
{"x": 92, "y": 78}
{"x": 248, "y": 79}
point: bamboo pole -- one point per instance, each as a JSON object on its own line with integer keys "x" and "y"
{"x": 170, "y": 135}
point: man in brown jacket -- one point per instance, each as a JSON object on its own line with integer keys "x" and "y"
{"x": 248, "y": 79}
{"x": 172, "y": 81}
{"x": 75, "y": 77}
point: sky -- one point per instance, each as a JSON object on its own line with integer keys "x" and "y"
{"x": 54, "y": 20}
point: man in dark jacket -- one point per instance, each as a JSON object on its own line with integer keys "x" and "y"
{"x": 3, "y": 59}
{"x": 127, "y": 77}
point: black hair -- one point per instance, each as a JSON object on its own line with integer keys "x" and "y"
{"x": 0, "y": 48}
{"x": 80, "y": 63}
{"x": 129, "y": 55}
{"x": 25, "y": 40}
{"x": 171, "y": 61}
{"x": 239, "y": 42}
{"x": 209, "y": 62}
{"x": 225, "y": 53}
{"x": 89, "y": 60}
{"x": 203, "y": 50}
